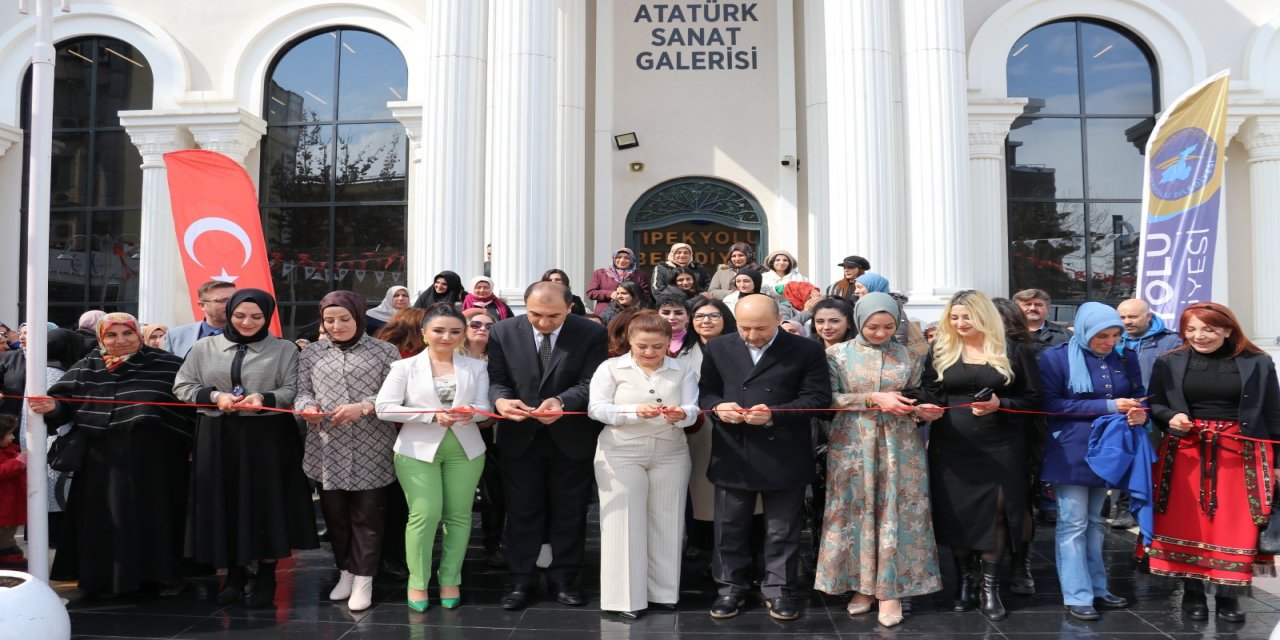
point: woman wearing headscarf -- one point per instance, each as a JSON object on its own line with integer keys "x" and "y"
{"x": 482, "y": 296}
{"x": 1216, "y": 386}
{"x": 748, "y": 282}
{"x": 877, "y": 534}
{"x": 870, "y": 282}
{"x": 605, "y": 280}
{"x": 681, "y": 255}
{"x": 249, "y": 498}
{"x": 348, "y": 448}
{"x": 1084, "y": 379}
{"x": 741, "y": 257}
{"x": 781, "y": 269}
{"x": 123, "y": 523}
{"x": 446, "y": 287}
{"x": 397, "y": 298}
{"x": 153, "y": 335}
{"x": 558, "y": 275}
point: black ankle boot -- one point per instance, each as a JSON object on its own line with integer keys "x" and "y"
{"x": 264, "y": 586}
{"x": 989, "y": 604}
{"x": 233, "y": 588}
{"x": 1194, "y": 603}
{"x": 1229, "y": 608}
{"x": 1020, "y": 580}
{"x": 966, "y": 593}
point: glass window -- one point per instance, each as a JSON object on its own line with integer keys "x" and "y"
{"x": 1075, "y": 159}
{"x": 96, "y": 191}
{"x": 334, "y": 171}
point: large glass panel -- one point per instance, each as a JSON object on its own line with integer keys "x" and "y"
{"x": 113, "y": 256}
{"x": 73, "y": 74}
{"x": 69, "y": 175}
{"x": 1115, "y": 229}
{"x": 299, "y": 320}
{"x": 372, "y": 73}
{"x": 68, "y": 259}
{"x": 298, "y": 240}
{"x": 117, "y": 170}
{"x": 1044, "y": 158}
{"x": 1047, "y": 250}
{"x": 302, "y": 84}
{"x": 370, "y": 251}
{"x": 371, "y": 162}
{"x": 123, "y": 82}
{"x": 1115, "y": 163}
{"x": 1117, "y": 74}
{"x": 1042, "y": 66}
{"x": 299, "y": 163}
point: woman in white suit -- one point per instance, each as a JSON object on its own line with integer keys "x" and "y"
{"x": 438, "y": 456}
{"x": 645, "y": 398}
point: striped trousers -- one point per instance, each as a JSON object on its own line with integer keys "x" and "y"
{"x": 644, "y": 484}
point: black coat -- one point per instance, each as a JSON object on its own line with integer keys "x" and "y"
{"x": 1259, "y": 393}
{"x": 791, "y": 374}
{"x": 513, "y": 374}
{"x": 13, "y": 381}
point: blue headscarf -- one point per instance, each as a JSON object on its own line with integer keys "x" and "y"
{"x": 1091, "y": 319}
{"x": 874, "y": 282}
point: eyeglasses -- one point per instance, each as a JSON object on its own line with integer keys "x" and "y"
{"x": 702, "y": 317}
{"x": 218, "y": 301}
{"x": 476, "y": 324}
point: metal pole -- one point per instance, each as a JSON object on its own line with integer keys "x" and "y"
{"x": 38, "y": 287}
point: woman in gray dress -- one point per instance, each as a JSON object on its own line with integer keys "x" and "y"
{"x": 348, "y": 449}
{"x": 249, "y": 498}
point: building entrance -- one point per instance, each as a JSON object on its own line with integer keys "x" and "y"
{"x": 707, "y": 213}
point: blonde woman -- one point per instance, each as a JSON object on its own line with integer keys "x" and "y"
{"x": 977, "y": 455}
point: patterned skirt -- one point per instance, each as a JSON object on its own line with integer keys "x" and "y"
{"x": 1212, "y": 495}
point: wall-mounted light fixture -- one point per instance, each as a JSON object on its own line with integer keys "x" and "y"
{"x": 636, "y": 166}
{"x": 626, "y": 140}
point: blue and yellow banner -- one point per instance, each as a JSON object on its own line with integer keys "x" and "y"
{"x": 1181, "y": 198}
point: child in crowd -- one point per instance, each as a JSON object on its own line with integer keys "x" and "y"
{"x": 13, "y": 494}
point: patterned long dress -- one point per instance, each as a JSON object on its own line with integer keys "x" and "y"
{"x": 877, "y": 534}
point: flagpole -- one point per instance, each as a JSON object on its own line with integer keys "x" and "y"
{"x": 38, "y": 185}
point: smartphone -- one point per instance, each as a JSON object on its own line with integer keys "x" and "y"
{"x": 984, "y": 394}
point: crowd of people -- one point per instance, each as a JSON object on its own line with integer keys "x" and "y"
{"x": 711, "y": 414}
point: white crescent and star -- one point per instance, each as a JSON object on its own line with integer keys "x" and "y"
{"x": 205, "y": 225}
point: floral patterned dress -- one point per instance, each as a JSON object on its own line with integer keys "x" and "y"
{"x": 877, "y": 534}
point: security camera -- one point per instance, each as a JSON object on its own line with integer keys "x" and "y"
{"x": 787, "y": 160}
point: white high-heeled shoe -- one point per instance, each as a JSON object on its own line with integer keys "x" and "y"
{"x": 361, "y": 593}
{"x": 342, "y": 590}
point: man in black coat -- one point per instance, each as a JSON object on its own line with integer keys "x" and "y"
{"x": 543, "y": 362}
{"x": 758, "y": 448}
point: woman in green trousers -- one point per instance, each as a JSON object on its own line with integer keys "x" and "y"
{"x": 439, "y": 454}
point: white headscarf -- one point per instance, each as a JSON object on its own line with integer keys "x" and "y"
{"x": 384, "y": 311}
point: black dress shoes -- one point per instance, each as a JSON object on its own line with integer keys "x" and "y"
{"x": 1229, "y": 609}
{"x": 569, "y": 596}
{"x": 1111, "y": 601}
{"x": 782, "y": 608}
{"x": 1083, "y": 612}
{"x": 726, "y": 607}
{"x": 625, "y": 615}
{"x": 1195, "y": 606}
{"x": 662, "y": 606}
{"x": 517, "y": 599}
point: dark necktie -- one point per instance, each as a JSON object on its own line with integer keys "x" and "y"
{"x": 544, "y": 351}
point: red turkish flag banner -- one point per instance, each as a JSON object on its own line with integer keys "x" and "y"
{"x": 215, "y": 214}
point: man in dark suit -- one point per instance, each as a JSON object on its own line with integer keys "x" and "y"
{"x": 543, "y": 362}
{"x": 758, "y": 449}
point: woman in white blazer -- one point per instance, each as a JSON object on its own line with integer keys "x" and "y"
{"x": 645, "y": 398}
{"x": 438, "y": 456}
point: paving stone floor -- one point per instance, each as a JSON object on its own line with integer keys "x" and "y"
{"x": 301, "y": 612}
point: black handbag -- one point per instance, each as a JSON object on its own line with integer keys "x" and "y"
{"x": 69, "y": 451}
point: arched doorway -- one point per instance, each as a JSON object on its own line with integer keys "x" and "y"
{"x": 708, "y": 213}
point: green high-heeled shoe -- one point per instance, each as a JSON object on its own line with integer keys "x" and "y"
{"x": 417, "y": 605}
{"x": 451, "y": 603}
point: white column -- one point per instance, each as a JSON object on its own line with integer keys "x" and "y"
{"x": 862, "y": 214}
{"x": 937, "y": 163}
{"x": 818, "y": 262}
{"x": 418, "y": 227}
{"x": 521, "y": 155}
{"x": 11, "y": 242}
{"x": 605, "y": 240}
{"x": 989, "y": 122}
{"x": 784, "y": 226}
{"x": 162, "y": 288}
{"x": 233, "y": 132}
{"x": 446, "y": 225}
{"x": 1261, "y": 138}
{"x": 571, "y": 141}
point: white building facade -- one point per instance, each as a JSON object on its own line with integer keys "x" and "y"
{"x": 981, "y": 144}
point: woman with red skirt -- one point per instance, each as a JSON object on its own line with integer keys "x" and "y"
{"x": 1218, "y": 402}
